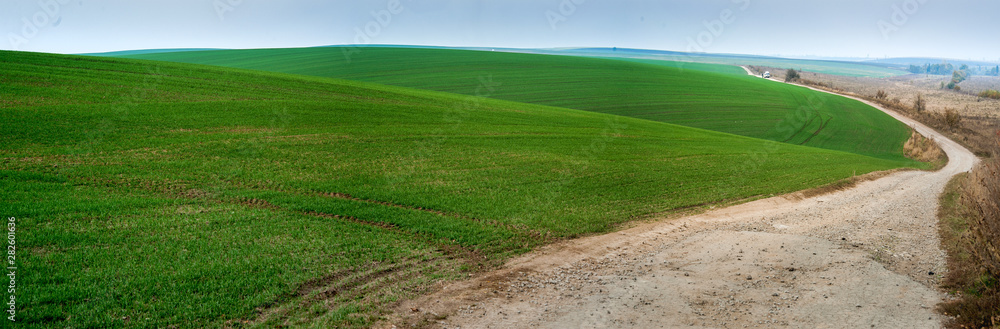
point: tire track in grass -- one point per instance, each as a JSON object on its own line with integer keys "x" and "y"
{"x": 292, "y": 202}
{"x": 816, "y": 133}
{"x": 386, "y": 226}
{"x": 343, "y": 287}
{"x": 520, "y": 229}
{"x": 363, "y": 286}
{"x": 453, "y": 250}
{"x": 807, "y": 124}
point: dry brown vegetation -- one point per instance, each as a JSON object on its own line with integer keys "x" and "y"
{"x": 973, "y": 131}
{"x": 922, "y": 149}
{"x": 919, "y": 104}
{"x": 952, "y": 118}
{"x": 983, "y": 196}
{"x": 970, "y": 233}
{"x": 881, "y": 95}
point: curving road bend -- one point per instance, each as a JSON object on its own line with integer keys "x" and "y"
{"x": 864, "y": 257}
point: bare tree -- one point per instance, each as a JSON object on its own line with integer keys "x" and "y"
{"x": 920, "y": 104}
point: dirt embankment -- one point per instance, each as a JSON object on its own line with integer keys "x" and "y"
{"x": 864, "y": 257}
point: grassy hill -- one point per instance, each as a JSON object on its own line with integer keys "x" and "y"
{"x": 844, "y": 67}
{"x": 155, "y": 194}
{"x": 714, "y": 97}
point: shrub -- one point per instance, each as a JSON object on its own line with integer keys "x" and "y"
{"x": 952, "y": 118}
{"x": 959, "y": 76}
{"x": 990, "y": 94}
{"x": 791, "y": 75}
{"x": 881, "y": 95}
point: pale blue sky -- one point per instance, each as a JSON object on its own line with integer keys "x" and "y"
{"x": 963, "y": 29}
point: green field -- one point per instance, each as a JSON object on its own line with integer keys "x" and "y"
{"x": 714, "y": 97}
{"x": 834, "y": 67}
{"x": 848, "y": 69}
{"x": 154, "y": 194}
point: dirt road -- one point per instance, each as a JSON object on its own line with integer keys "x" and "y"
{"x": 867, "y": 257}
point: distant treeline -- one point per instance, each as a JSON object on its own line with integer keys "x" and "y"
{"x": 946, "y": 69}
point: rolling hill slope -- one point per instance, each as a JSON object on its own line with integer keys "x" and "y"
{"x": 155, "y": 194}
{"x": 713, "y": 97}
{"x": 850, "y": 68}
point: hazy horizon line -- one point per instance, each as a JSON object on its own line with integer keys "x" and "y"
{"x": 779, "y": 56}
